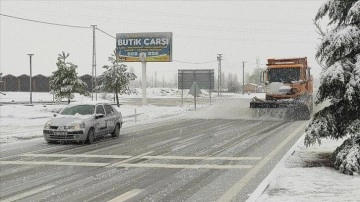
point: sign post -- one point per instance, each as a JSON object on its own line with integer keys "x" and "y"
{"x": 143, "y": 83}
{"x": 195, "y": 91}
{"x": 30, "y": 78}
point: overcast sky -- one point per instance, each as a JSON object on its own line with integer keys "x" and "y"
{"x": 240, "y": 30}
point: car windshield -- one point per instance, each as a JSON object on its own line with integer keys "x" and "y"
{"x": 285, "y": 75}
{"x": 79, "y": 109}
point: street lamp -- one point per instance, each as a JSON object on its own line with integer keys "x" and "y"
{"x": 30, "y": 78}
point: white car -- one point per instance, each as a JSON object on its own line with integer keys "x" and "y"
{"x": 83, "y": 123}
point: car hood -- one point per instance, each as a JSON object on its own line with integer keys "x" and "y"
{"x": 62, "y": 120}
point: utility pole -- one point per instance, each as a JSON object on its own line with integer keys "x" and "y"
{"x": 155, "y": 79}
{"x": 243, "y": 77}
{"x": 30, "y": 77}
{"x": 93, "y": 67}
{"x": 163, "y": 82}
{"x": 219, "y": 58}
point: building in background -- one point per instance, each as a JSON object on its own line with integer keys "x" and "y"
{"x": 40, "y": 83}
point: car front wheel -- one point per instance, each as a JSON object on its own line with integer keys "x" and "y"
{"x": 116, "y": 132}
{"x": 90, "y": 136}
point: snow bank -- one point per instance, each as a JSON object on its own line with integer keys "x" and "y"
{"x": 308, "y": 176}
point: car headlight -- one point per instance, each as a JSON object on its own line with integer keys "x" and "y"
{"x": 76, "y": 126}
{"x": 47, "y": 125}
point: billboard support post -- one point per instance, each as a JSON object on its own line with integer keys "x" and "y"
{"x": 210, "y": 85}
{"x": 143, "y": 83}
{"x": 182, "y": 90}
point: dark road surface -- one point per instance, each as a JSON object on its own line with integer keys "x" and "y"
{"x": 181, "y": 159}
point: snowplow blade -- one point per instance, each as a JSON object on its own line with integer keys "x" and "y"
{"x": 292, "y": 110}
{"x": 268, "y": 104}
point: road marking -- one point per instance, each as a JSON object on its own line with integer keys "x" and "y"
{"x": 162, "y": 143}
{"x": 56, "y": 163}
{"x": 205, "y": 158}
{"x": 129, "y": 159}
{"x": 124, "y": 163}
{"x": 184, "y": 166}
{"x": 127, "y": 195}
{"x": 26, "y": 194}
{"x": 129, "y": 165}
{"x": 79, "y": 155}
{"x": 192, "y": 138}
{"x": 235, "y": 189}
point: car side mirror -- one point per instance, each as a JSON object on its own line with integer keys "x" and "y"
{"x": 97, "y": 116}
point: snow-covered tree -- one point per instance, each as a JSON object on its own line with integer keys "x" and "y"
{"x": 115, "y": 78}
{"x": 233, "y": 84}
{"x": 64, "y": 82}
{"x": 254, "y": 77}
{"x": 339, "y": 54}
{"x": 0, "y": 83}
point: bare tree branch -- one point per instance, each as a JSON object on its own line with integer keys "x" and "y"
{"x": 318, "y": 29}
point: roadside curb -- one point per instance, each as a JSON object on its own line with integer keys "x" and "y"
{"x": 274, "y": 172}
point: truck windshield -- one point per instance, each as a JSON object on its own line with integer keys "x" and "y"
{"x": 284, "y": 75}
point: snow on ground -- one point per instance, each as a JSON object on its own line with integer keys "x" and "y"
{"x": 308, "y": 175}
{"x": 137, "y": 93}
{"x": 22, "y": 122}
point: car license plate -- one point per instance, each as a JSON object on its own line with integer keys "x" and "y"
{"x": 59, "y": 132}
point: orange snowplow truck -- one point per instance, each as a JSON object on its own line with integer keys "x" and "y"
{"x": 288, "y": 84}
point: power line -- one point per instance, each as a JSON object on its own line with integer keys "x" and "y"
{"x": 105, "y": 33}
{"x": 57, "y": 24}
{"x": 110, "y": 9}
{"x": 43, "y": 22}
{"x": 235, "y": 63}
{"x": 203, "y": 37}
{"x": 196, "y": 26}
{"x": 195, "y": 63}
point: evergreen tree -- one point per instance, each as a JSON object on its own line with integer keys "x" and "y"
{"x": 115, "y": 78}
{"x": 339, "y": 54}
{"x": 233, "y": 84}
{"x": 1, "y": 84}
{"x": 64, "y": 81}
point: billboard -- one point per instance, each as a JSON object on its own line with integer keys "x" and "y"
{"x": 144, "y": 47}
{"x": 203, "y": 77}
